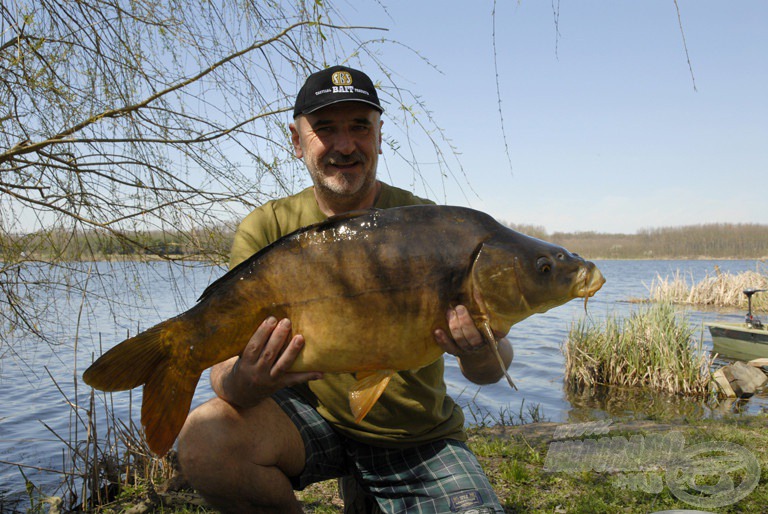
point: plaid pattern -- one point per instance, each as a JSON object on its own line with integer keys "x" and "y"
{"x": 439, "y": 477}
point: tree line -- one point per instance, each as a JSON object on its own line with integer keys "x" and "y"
{"x": 205, "y": 244}
{"x": 712, "y": 240}
{"x": 717, "y": 240}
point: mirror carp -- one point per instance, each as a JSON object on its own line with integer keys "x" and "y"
{"x": 366, "y": 289}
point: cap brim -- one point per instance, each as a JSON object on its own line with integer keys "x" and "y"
{"x": 317, "y": 108}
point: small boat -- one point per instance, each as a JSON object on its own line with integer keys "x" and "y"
{"x": 742, "y": 341}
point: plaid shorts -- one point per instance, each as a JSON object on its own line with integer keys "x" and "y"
{"x": 438, "y": 477}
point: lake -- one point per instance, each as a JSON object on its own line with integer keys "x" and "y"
{"x": 43, "y": 395}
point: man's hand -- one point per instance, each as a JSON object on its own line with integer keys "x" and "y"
{"x": 464, "y": 336}
{"x": 476, "y": 359}
{"x": 262, "y": 368}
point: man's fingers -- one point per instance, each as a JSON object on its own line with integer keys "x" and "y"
{"x": 253, "y": 349}
{"x": 287, "y": 358}
{"x": 463, "y": 329}
{"x": 446, "y": 343}
{"x": 274, "y": 345}
{"x": 292, "y": 379}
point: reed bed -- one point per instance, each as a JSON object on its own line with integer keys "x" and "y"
{"x": 654, "y": 348}
{"x": 106, "y": 466}
{"x": 716, "y": 290}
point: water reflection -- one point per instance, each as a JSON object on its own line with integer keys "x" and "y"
{"x": 625, "y": 404}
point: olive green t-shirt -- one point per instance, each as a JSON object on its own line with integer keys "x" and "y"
{"x": 415, "y": 407}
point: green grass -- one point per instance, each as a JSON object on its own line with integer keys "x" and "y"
{"x": 515, "y": 461}
{"x": 515, "y": 458}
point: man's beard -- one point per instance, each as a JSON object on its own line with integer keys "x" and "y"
{"x": 341, "y": 186}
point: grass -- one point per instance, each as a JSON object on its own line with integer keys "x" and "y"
{"x": 515, "y": 461}
{"x": 716, "y": 290}
{"x": 654, "y": 348}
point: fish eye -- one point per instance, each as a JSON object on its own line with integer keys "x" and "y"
{"x": 561, "y": 256}
{"x": 543, "y": 265}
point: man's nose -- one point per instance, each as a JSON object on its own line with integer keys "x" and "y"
{"x": 344, "y": 142}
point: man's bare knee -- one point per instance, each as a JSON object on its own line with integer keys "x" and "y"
{"x": 241, "y": 455}
{"x": 265, "y": 432}
{"x": 201, "y": 439}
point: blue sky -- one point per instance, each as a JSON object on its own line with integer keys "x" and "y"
{"x": 605, "y": 130}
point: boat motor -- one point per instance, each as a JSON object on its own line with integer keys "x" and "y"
{"x": 752, "y": 321}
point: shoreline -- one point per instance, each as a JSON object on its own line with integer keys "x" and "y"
{"x": 516, "y": 460}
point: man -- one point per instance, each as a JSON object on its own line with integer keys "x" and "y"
{"x": 270, "y": 431}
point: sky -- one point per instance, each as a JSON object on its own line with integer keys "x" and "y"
{"x": 607, "y": 128}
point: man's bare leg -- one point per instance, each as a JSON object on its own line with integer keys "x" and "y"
{"x": 240, "y": 460}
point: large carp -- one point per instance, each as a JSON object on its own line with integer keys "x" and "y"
{"x": 366, "y": 290}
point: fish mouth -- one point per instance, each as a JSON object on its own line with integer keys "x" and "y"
{"x": 588, "y": 282}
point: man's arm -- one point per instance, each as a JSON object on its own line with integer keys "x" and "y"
{"x": 476, "y": 358}
{"x": 262, "y": 368}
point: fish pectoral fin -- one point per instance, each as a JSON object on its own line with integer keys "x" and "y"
{"x": 491, "y": 339}
{"x": 366, "y": 391}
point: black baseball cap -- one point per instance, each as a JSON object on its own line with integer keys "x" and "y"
{"x": 334, "y": 85}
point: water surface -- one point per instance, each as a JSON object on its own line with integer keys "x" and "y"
{"x": 43, "y": 394}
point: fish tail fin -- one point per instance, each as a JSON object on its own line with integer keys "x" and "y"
{"x": 130, "y": 363}
{"x": 167, "y": 398}
{"x": 366, "y": 392}
{"x": 146, "y": 359}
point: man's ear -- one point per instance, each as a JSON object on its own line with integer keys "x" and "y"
{"x": 381, "y": 123}
{"x": 296, "y": 141}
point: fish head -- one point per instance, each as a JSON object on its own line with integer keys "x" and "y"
{"x": 514, "y": 276}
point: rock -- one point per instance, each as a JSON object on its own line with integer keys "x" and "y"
{"x": 739, "y": 379}
{"x": 759, "y": 363}
{"x": 723, "y": 384}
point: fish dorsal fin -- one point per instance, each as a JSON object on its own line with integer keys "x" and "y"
{"x": 367, "y": 390}
{"x": 316, "y": 227}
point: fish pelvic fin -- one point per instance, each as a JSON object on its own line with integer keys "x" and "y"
{"x": 366, "y": 391}
{"x": 165, "y": 405}
{"x": 130, "y": 363}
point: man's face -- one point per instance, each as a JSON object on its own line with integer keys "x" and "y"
{"x": 340, "y": 145}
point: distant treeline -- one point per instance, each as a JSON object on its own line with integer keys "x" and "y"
{"x": 718, "y": 240}
{"x": 211, "y": 243}
{"x": 715, "y": 240}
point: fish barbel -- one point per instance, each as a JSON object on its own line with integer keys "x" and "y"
{"x": 366, "y": 289}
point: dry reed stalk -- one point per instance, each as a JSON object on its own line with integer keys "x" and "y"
{"x": 718, "y": 290}
{"x": 653, "y": 348}
{"x": 99, "y": 462}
